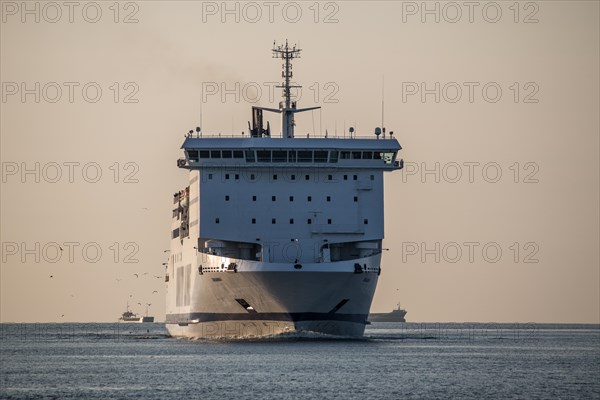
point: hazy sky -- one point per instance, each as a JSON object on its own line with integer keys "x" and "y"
{"x": 495, "y": 217}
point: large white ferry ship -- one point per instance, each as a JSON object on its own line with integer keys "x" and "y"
{"x": 277, "y": 233}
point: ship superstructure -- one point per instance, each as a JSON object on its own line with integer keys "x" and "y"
{"x": 277, "y": 234}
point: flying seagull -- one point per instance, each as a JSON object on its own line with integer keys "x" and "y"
{"x": 136, "y": 275}
{"x": 156, "y": 291}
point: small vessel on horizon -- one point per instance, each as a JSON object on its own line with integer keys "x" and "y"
{"x": 397, "y": 315}
{"x": 129, "y": 316}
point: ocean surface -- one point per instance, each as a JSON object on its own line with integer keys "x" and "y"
{"x": 393, "y": 361}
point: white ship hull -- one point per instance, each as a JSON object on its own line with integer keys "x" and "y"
{"x": 328, "y": 298}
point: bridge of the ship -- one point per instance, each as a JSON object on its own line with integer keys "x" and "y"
{"x": 290, "y": 152}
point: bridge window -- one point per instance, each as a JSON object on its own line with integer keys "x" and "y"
{"x": 333, "y": 156}
{"x": 204, "y": 154}
{"x": 292, "y": 156}
{"x": 263, "y": 155}
{"x": 388, "y": 158}
{"x": 238, "y": 154}
{"x": 305, "y": 156}
{"x": 320, "y": 156}
{"x": 193, "y": 155}
{"x": 356, "y": 155}
{"x": 226, "y": 153}
{"x": 367, "y": 155}
{"x": 250, "y": 156}
{"x": 345, "y": 155}
{"x": 279, "y": 156}
{"x": 215, "y": 154}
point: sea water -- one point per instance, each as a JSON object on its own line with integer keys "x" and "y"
{"x": 392, "y": 361}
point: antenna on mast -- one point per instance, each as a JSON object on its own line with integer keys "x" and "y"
{"x": 288, "y": 107}
{"x": 382, "y": 103}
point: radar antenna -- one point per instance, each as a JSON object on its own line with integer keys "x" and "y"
{"x": 288, "y": 107}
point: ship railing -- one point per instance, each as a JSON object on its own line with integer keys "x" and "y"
{"x": 195, "y": 135}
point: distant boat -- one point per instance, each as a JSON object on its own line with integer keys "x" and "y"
{"x": 397, "y": 315}
{"x": 129, "y": 316}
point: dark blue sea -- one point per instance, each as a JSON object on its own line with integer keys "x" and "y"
{"x": 393, "y": 361}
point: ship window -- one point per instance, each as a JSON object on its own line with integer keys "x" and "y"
{"x": 328, "y": 198}
{"x": 309, "y": 198}
{"x": 377, "y": 156}
{"x": 345, "y": 155}
{"x": 293, "y": 177}
{"x": 238, "y": 154}
{"x": 237, "y": 176}
{"x": 388, "y": 158}
{"x": 309, "y": 221}
{"x": 254, "y": 220}
{"x": 274, "y": 177}
{"x": 367, "y": 155}
{"x": 333, "y": 156}
{"x": 250, "y": 156}
{"x": 345, "y": 177}
{"x": 291, "y": 198}
{"x": 263, "y": 155}
{"x": 329, "y": 221}
{"x": 356, "y": 155}
{"x": 329, "y": 177}
{"x": 193, "y": 155}
{"x": 372, "y": 177}
{"x": 204, "y": 154}
{"x": 215, "y": 154}
{"x": 307, "y": 177}
{"x": 366, "y": 221}
{"x": 226, "y": 198}
{"x": 252, "y": 177}
{"x": 210, "y": 176}
{"x": 217, "y": 220}
{"x": 292, "y": 221}
{"x": 305, "y": 155}
{"x": 355, "y": 177}
{"x": 226, "y": 176}
{"x": 273, "y": 198}
{"x": 279, "y": 156}
{"x": 320, "y": 156}
{"x": 253, "y": 198}
{"x": 273, "y": 221}
{"x": 292, "y": 156}
{"x": 226, "y": 153}
{"x": 355, "y": 199}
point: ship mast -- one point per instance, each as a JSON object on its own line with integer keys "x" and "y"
{"x": 288, "y": 107}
